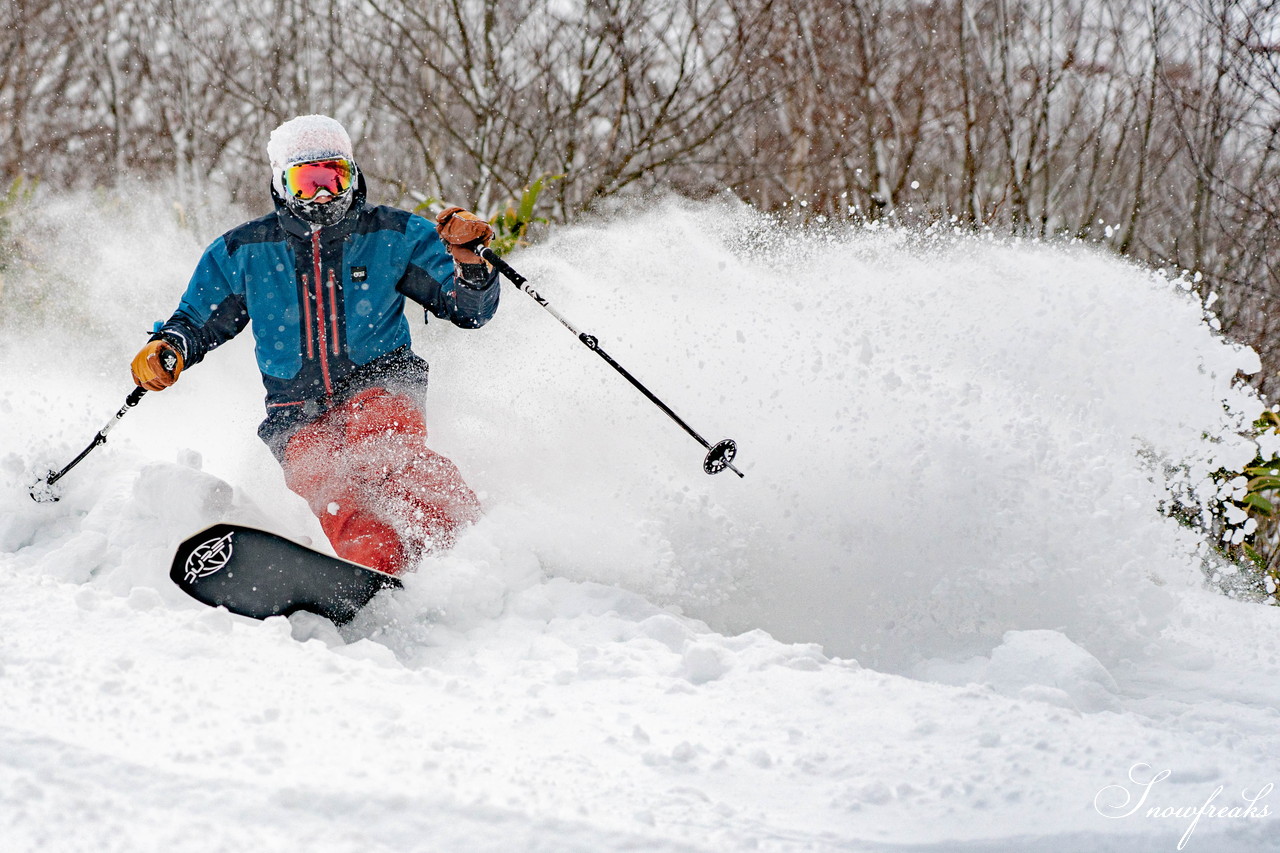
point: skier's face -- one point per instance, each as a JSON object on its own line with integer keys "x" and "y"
{"x": 306, "y": 181}
{"x": 320, "y": 192}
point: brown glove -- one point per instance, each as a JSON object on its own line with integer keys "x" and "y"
{"x": 459, "y": 228}
{"x": 157, "y": 365}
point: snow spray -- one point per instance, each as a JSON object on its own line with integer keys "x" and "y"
{"x": 952, "y": 436}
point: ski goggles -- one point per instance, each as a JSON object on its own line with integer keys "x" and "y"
{"x": 305, "y": 180}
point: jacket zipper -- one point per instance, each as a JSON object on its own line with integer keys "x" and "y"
{"x": 333, "y": 312}
{"x": 306, "y": 313}
{"x": 320, "y": 324}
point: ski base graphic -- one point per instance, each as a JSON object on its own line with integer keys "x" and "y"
{"x": 259, "y": 574}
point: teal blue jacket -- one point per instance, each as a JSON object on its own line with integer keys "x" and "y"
{"x": 327, "y": 306}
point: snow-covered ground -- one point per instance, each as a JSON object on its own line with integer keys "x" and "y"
{"x": 942, "y": 611}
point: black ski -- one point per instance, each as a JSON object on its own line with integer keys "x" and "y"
{"x": 259, "y": 574}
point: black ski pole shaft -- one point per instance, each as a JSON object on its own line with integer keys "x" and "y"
{"x": 40, "y": 492}
{"x": 719, "y": 456}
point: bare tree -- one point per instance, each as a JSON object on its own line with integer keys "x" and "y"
{"x": 486, "y": 96}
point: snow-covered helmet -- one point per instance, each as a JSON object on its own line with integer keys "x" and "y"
{"x": 311, "y": 161}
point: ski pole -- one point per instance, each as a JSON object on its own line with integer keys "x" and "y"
{"x": 43, "y": 491}
{"x": 719, "y": 456}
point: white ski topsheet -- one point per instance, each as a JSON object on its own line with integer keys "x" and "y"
{"x": 942, "y": 611}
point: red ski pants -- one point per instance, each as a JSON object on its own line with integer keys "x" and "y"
{"x": 382, "y": 497}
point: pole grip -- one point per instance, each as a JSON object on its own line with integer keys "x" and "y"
{"x": 501, "y": 266}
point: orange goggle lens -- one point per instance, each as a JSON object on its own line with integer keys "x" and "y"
{"x": 305, "y": 180}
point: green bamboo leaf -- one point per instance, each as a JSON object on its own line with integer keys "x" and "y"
{"x": 1264, "y": 484}
{"x": 424, "y": 207}
{"x": 1267, "y": 420}
{"x": 1260, "y": 505}
{"x": 528, "y": 199}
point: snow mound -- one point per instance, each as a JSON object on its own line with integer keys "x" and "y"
{"x": 1046, "y": 666}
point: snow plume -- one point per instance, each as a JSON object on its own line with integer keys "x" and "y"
{"x": 96, "y": 269}
{"x": 945, "y": 437}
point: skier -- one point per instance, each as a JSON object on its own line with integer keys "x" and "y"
{"x": 324, "y": 279}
